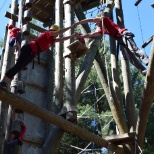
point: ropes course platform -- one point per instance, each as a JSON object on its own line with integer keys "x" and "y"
{"x": 43, "y": 10}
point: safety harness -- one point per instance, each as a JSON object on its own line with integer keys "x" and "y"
{"x": 39, "y": 51}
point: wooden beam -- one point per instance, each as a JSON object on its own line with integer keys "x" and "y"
{"x": 36, "y": 85}
{"x": 15, "y": 18}
{"x": 39, "y": 8}
{"x": 120, "y": 139}
{"x": 137, "y": 2}
{"x": 147, "y": 100}
{"x": 90, "y": 4}
{"x": 21, "y": 103}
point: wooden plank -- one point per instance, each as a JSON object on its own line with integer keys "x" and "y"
{"x": 147, "y": 100}
{"x": 126, "y": 138}
{"x": 21, "y": 103}
{"x": 36, "y": 85}
{"x": 152, "y": 5}
{"x": 15, "y": 18}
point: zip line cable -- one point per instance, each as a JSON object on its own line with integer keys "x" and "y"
{"x": 140, "y": 23}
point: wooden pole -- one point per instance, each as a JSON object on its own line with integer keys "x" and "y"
{"x": 17, "y": 148}
{"x": 6, "y": 64}
{"x": 130, "y": 106}
{"x": 59, "y": 80}
{"x": 29, "y": 107}
{"x": 53, "y": 139}
{"x": 70, "y": 101}
{"x": 147, "y": 100}
{"x": 113, "y": 103}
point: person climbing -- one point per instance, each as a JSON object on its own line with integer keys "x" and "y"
{"x": 34, "y": 48}
{"x": 122, "y": 35}
{"x": 17, "y": 138}
{"x": 14, "y": 32}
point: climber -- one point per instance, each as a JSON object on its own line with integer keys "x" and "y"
{"x": 17, "y": 138}
{"x": 122, "y": 35}
{"x": 34, "y": 48}
{"x": 14, "y": 32}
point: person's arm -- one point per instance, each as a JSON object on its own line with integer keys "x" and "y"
{"x": 65, "y": 38}
{"x": 94, "y": 34}
{"x": 23, "y": 132}
{"x": 55, "y": 33}
{"x": 23, "y": 127}
{"x": 86, "y": 21}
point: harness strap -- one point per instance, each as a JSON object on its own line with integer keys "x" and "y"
{"x": 39, "y": 51}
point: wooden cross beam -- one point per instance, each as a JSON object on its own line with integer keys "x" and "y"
{"x": 147, "y": 100}
{"x": 15, "y": 18}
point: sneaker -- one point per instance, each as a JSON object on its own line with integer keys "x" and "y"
{"x": 144, "y": 72}
{"x": 3, "y": 85}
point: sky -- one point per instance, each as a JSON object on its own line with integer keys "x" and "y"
{"x": 139, "y": 20}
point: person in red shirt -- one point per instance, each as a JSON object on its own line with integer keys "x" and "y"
{"x": 14, "y": 32}
{"x": 34, "y": 48}
{"x": 16, "y": 138}
{"x": 122, "y": 35}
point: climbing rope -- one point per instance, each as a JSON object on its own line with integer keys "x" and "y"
{"x": 140, "y": 23}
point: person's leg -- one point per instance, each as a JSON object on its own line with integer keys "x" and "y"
{"x": 11, "y": 42}
{"x": 134, "y": 61}
{"x": 138, "y": 52}
{"x": 131, "y": 45}
{"x": 25, "y": 57}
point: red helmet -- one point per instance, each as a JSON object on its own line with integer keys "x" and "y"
{"x": 10, "y": 26}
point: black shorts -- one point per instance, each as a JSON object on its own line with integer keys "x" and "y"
{"x": 26, "y": 56}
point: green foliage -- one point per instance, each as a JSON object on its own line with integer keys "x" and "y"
{"x": 1, "y": 43}
{"x": 93, "y": 113}
{"x": 149, "y": 136}
{"x": 38, "y": 23}
{"x": 137, "y": 83}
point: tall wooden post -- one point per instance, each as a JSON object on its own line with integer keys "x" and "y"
{"x": 58, "y": 60}
{"x": 70, "y": 102}
{"x": 130, "y": 107}
{"x": 16, "y": 148}
{"x": 52, "y": 142}
{"x": 6, "y": 64}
